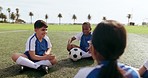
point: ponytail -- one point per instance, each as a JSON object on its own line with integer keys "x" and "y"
{"x": 110, "y": 70}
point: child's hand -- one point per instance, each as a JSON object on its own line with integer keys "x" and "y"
{"x": 50, "y": 57}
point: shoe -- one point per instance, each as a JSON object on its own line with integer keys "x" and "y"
{"x": 23, "y": 68}
{"x": 43, "y": 68}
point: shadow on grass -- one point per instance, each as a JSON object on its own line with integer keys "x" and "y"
{"x": 13, "y": 71}
{"x": 73, "y": 64}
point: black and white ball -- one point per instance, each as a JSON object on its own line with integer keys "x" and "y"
{"x": 75, "y": 54}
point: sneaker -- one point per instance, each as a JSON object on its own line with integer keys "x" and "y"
{"x": 23, "y": 68}
{"x": 43, "y": 68}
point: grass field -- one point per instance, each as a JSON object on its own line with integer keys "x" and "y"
{"x": 14, "y": 36}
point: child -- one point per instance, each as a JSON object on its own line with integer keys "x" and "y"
{"x": 108, "y": 44}
{"x": 38, "y": 50}
{"x": 83, "y": 37}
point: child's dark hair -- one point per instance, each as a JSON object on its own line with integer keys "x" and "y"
{"x": 40, "y": 24}
{"x": 87, "y": 23}
{"x": 109, "y": 39}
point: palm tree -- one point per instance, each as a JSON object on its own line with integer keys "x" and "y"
{"x": 1, "y": 9}
{"x": 89, "y": 17}
{"x": 129, "y": 16}
{"x": 46, "y": 17}
{"x": 12, "y": 17}
{"x": 59, "y": 16}
{"x": 9, "y": 10}
{"x": 5, "y": 17}
{"x": 104, "y": 18}
{"x": 1, "y": 16}
{"x": 17, "y": 14}
{"x": 31, "y": 14}
{"x": 74, "y": 18}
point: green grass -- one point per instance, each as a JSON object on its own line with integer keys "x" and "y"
{"x": 14, "y": 42}
{"x": 137, "y": 29}
{"x": 5, "y": 27}
{"x": 68, "y": 28}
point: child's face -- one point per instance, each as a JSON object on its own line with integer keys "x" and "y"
{"x": 41, "y": 32}
{"x": 86, "y": 29}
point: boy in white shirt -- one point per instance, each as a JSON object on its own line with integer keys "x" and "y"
{"x": 38, "y": 50}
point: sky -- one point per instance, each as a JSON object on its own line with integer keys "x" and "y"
{"x": 111, "y": 9}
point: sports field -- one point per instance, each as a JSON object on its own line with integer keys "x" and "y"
{"x": 13, "y": 38}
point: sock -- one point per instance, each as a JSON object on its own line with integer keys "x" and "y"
{"x": 44, "y": 62}
{"x": 26, "y": 62}
{"x": 85, "y": 54}
{"x": 146, "y": 64}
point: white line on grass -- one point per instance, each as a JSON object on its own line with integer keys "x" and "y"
{"x": 13, "y": 31}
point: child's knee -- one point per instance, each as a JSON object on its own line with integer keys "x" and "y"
{"x": 14, "y": 57}
{"x": 69, "y": 47}
{"x": 54, "y": 61}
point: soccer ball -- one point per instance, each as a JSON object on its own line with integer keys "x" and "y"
{"x": 75, "y": 54}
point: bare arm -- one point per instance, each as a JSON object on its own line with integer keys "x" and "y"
{"x": 69, "y": 46}
{"x": 90, "y": 44}
{"x": 70, "y": 40}
{"x": 37, "y": 57}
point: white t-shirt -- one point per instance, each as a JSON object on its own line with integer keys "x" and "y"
{"x": 78, "y": 36}
{"x": 31, "y": 43}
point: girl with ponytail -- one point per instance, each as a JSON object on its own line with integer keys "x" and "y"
{"x": 108, "y": 44}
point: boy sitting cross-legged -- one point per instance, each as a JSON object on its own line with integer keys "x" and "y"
{"x": 38, "y": 50}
